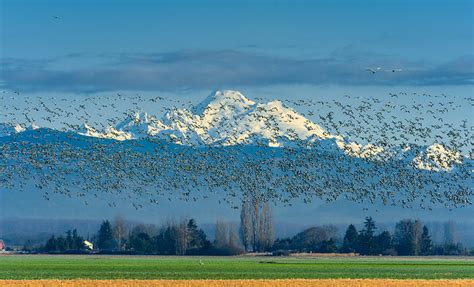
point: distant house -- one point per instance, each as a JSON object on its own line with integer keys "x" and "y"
{"x": 88, "y": 245}
{"x": 2, "y": 245}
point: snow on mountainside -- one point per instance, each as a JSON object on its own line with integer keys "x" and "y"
{"x": 224, "y": 118}
{"x": 436, "y": 157}
{"x": 7, "y": 129}
{"x": 89, "y": 131}
{"x": 228, "y": 118}
{"x": 137, "y": 126}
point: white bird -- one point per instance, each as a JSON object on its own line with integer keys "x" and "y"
{"x": 373, "y": 70}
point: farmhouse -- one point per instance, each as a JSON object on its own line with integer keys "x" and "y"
{"x": 88, "y": 245}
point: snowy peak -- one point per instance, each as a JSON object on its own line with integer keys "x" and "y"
{"x": 135, "y": 126}
{"x": 222, "y": 107}
{"x": 436, "y": 157}
{"x": 230, "y": 118}
{"x": 228, "y": 99}
{"x": 7, "y": 129}
{"x": 223, "y": 118}
{"x": 135, "y": 119}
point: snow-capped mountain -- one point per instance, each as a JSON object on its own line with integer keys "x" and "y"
{"x": 224, "y": 118}
{"x": 228, "y": 118}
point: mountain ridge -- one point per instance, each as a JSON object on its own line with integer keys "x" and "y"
{"x": 227, "y": 118}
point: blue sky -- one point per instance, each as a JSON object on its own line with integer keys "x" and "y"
{"x": 203, "y": 45}
{"x": 270, "y": 49}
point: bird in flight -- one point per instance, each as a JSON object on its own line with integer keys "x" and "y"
{"x": 373, "y": 70}
{"x": 394, "y": 70}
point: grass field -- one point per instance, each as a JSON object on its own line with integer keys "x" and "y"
{"x": 28, "y": 267}
{"x": 241, "y": 283}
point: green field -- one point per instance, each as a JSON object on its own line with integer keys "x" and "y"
{"x": 136, "y": 267}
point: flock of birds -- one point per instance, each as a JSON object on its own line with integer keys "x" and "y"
{"x": 377, "y": 69}
{"x": 61, "y": 161}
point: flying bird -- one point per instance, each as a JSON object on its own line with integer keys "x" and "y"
{"x": 373, "y": 70}
{"x": 394, "y": 70}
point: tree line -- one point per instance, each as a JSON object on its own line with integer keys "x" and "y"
{"x": 409, "y": 238}
{"x": 173, "y": 238}
{"x": 255, "y": 233}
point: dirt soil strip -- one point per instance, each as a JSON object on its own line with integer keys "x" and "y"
{"x": 237, "y": 283}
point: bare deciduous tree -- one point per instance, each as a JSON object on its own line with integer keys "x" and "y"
{"x": 120, "y": 231}
{"x": 222, "y": 234}
{"x": 450, "y": 236}
{"x": 255, "y": 219}
{"x": 256, "y": 225}
{"x": 233, "y": 237}
{"x": 182, "y": 240}
{"x": 267, "y": 235}
{"x": 246, "y": 225}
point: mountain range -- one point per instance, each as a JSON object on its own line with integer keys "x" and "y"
{"x": 228, "y": 118}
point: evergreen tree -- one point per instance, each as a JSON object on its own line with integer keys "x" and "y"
{"x": 105, "y": 237}
{"x": 367, "y": 244}
{"x": 192, "y": 232}
{"x": 369, "y": 227}
{"x": 426, "y": 245}
{"x": 328, "y": 246}
{"x": 384, "y": 242}
{"x": 197, "y": 237}
{"x": 61, "y": 244}
{"x": 28, "y": 246}
{"x": 402, "y": 237}
{"x": 166, "y": 241}
{"x": 76, "y": 240}
{"x": 69, "y": 244}
{"x": 141, "y": 243}
{"x": 350, "y": 239}
{"x": 51, "y": 245}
